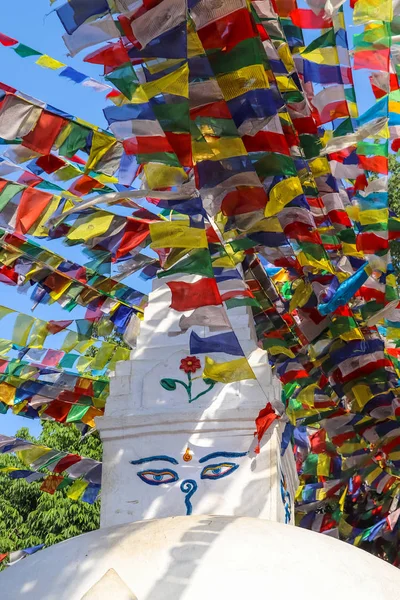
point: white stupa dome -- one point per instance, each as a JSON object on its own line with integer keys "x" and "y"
{"x": 202, "y": 558}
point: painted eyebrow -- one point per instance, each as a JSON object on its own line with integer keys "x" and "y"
{"x": 140, "y": 461}
{"x": 222, "y": 455}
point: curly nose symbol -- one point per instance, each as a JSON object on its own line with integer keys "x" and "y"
{"x": 188, "y": 487}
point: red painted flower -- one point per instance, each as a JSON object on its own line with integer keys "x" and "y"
{"x": 190, "y": 364}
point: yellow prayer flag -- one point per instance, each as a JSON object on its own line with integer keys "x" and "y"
{"x": 40, "y": 229}
{"x": 103, "y": 356}
{"x": 243, "y": 80}
{"x": 70, "y": 341}
{"x": 161, "y": 176}
{"x": 280, "y": 350}
{"x": 38, "y": 334}
{"x": 7, "y": 394}
{"x": 83, "y": 345}
{"x": 281, "y": 194}
{"x": 322, "y": 56}
{"x": 93, "y": 225}
{"x": 18, "y": 407}
{"x": 217, "y": 149}
{"x": 175, "y": 83}
{"x": 22, "y": 327}
{"x": 323, "y": 466}
{"x": 177, "y": 234}
{"x": 77, "y": 489}
{"x": 319, "y": 166}
{"x": 162, "y": 64}
{"x": 49, "y": 63}
{"x": 372, "y": 10}
{"x": 101, "y": 144}
{"x": 301, "y": 294}
{"x": 286, "y": 57}
{"x": 29, "y": 456}
{"x": 84, "y": 363}
{"x": 373, "y": 217}
{"x": 286, "y": 84}
{"x": 5, "y": 347}
{"x": 343, "y": 498}
{"x": 228, "y": 372}
{"x": 119, "y": 354}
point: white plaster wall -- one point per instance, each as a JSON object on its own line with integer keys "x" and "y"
{"x": 204, "y": 558}
{"x": 143, "y": 419}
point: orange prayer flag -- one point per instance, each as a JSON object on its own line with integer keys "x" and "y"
{"x": 31, "y": 206}
{"x": 43, "y": 136}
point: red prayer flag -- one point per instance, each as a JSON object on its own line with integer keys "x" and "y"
{"x": 307, "y": 19}
{"x": 228, "y": 31}
{"x": 266, "y": 141}
{"x": 181, "y": 144}
{"x": 374, "y": 60}
{"x": 264, "y": 420}
{"x": 50, "y": 163}
{"x": 32, "y": 205}
{"x": 147, "y": 144}
{"x": 51, "y": 483}
{"x": 376, "y": 164}
{"x": 112, "y": 55}
{"x": 244, "y": 200}
{"x": 84, "y": 185}
{"x": 188, "y": 296}
{"x": 7, "y": 88}
{"x": 52, "y": 357}
{"x": 136, "y": 231}
{"x": 7, "y": 41}
{"x": 66, "y": 462}
{"x": 43, "y": 136}
{"x": 57, "y": 326}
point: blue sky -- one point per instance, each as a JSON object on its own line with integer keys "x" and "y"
{"x": 35, "y": 24}
{"x": 26, "y": 21}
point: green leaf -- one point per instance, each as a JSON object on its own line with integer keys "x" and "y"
{"x": 168, "y": 384}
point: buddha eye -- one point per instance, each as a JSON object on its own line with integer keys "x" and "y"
{"x": 158, "y": 476}
{"x": 218, "y": 471}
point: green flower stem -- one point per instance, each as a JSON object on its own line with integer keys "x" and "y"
{"x": 210, "y": 387}
{"x": 187, "y": 388}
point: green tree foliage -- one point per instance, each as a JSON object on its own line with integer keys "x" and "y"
{"x": 28, "y": 516}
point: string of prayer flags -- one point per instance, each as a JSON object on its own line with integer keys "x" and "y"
{"x": 255, "y": 107}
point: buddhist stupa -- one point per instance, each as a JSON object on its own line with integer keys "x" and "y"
{"x": 190, "y": 510}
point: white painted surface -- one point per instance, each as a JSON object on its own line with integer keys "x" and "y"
{"x": 204, "y": 557}
{"x": 143, "y": 419}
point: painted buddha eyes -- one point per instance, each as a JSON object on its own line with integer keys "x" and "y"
{"x": 218, "y": 471}
{"x": 158, "y": 476}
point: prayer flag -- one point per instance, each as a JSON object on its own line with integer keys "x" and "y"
{"x": 223, "y": 342}
{"x": 188, "y": 296}
{"x": 228, "y": 372}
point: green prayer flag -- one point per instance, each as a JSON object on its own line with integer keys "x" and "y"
{"x": 10, "y": 190}
{"x": 173, "y": 117}
{"x": 275, "y": 164}
{"x": 76, "y": 413}
{"x": 246, "y": 53}
{"x": 76, "y": 140}
{"x": 197, "y": 263}
{"x": 124, "y": 79}
{"x": 25, "y": 51}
